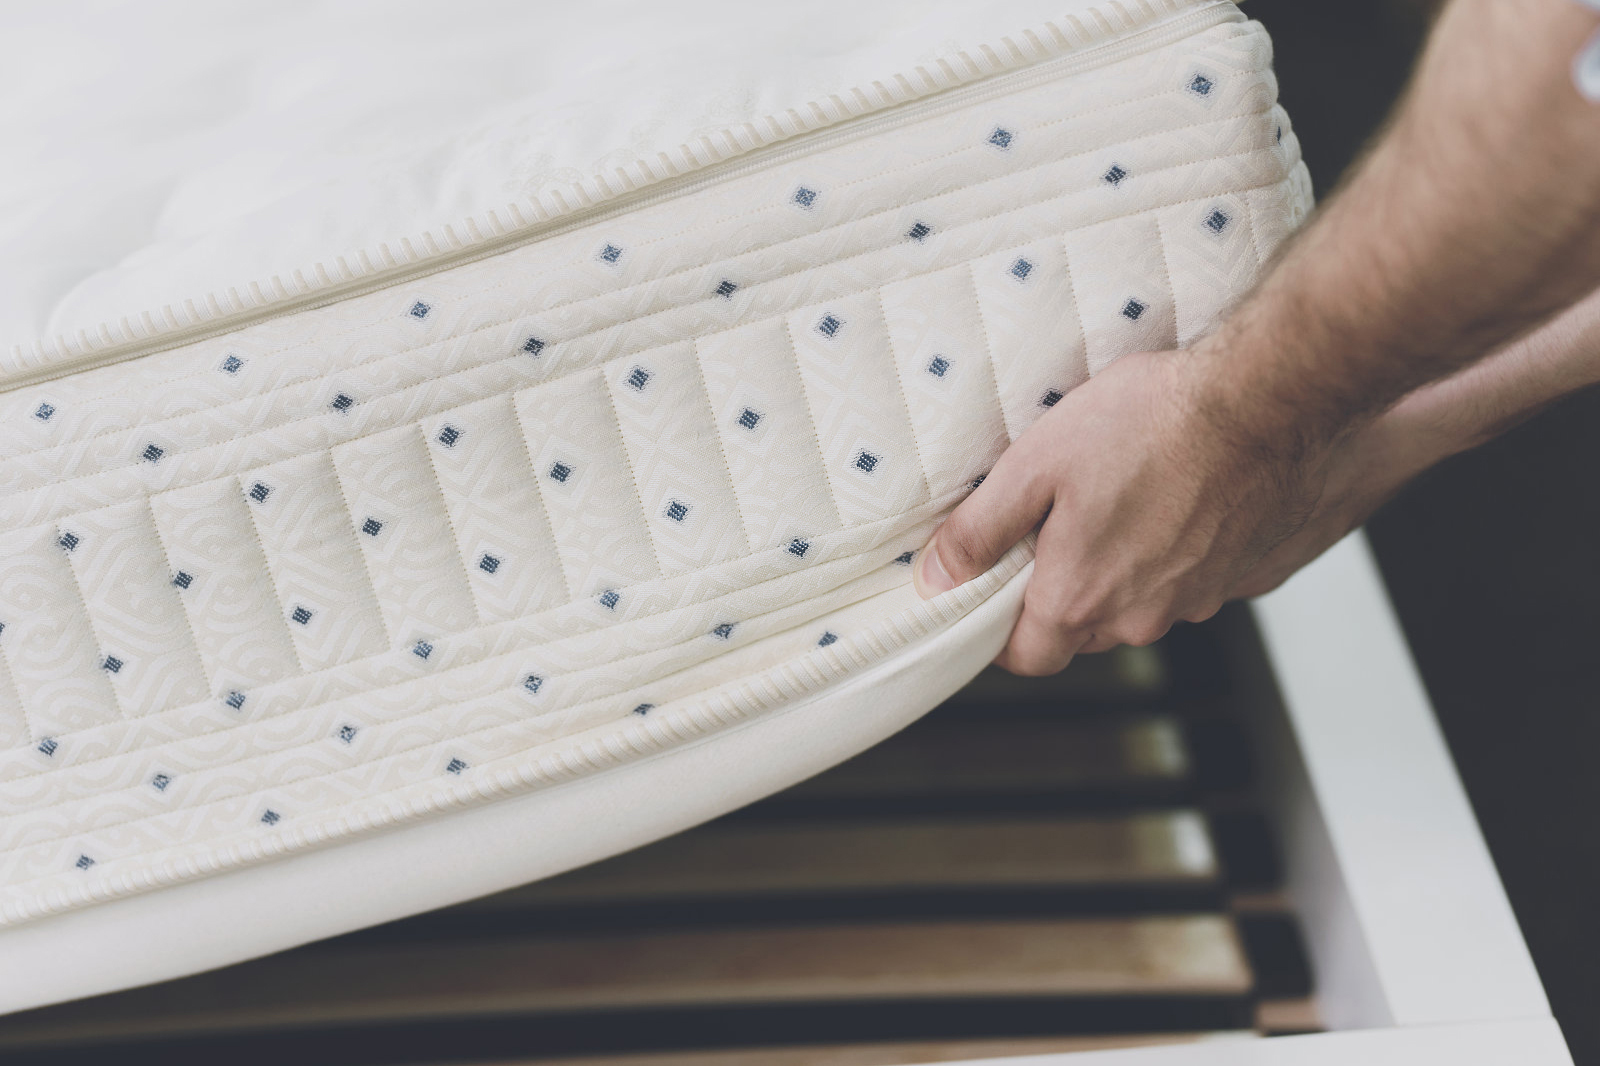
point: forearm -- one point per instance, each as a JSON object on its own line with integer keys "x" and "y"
{"x": 1476, "y": 215}
{"x": 1505, "y": 388}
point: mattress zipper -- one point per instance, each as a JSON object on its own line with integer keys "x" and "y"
{"x": 58, "y": 359}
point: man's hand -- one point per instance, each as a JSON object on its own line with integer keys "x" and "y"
{"x": 1154, "y": 505}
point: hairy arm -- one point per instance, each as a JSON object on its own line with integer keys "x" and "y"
{"x": 1166, "y": 479}
{"x": 1439, "y": 420}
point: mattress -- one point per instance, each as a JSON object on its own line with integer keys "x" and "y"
{"x": 420, "y": 572}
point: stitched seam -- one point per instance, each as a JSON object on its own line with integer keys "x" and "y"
{"x": 1228, "y": 42}
{"x": 661, "y": 279}
{"x": 272, "y": 575}
{"x": 970, "y": 269}
{"x": 520, "y": 431}
{"x": 459, "y": 739}
{"x": 361, "y": 552}
{"x": 593, "y": 751}
{"x": 532, "y": 649}
{"x": 633, "y": 474}
{"x": 905, "y": 404}
{"x": 722, "y": 445}
{"x": 99, "y": 640}
{"x": 815, "y": 435}
{"x": 510, "y": 359}
{"x": 183, "y": 608}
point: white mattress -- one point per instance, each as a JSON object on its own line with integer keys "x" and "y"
{"x": 512, "y": 512}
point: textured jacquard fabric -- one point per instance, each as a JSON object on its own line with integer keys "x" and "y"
{"x": 529, "y": 516}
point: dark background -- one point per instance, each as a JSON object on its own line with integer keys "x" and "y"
{"x": 1490, "y": 558}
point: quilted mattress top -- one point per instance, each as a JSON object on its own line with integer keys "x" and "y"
{"x": 572, "y": 482}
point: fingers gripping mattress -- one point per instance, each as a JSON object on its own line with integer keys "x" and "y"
{"x": 424, "y": 579}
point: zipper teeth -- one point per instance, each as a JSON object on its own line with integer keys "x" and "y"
{"x": 1129, "y": 33}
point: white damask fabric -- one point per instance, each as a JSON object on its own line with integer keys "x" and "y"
{"x": 649, "y": 469}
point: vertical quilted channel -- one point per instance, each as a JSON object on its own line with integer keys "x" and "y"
{"x": 49, "y": 644}
{"x": 601, "y": 533}
{"x": 299, "y": 514}
{"x": 938, "y": 342}
{"x": 398, "y": 517}
{"x": 232, "y": 607}
{"x": 858, "y": 408}
{"x": 754, "y": 389}
{"x": 1125, "y": 301}
{"x": 134, "y": 604}
{"x": 676, "y": 459}
{"x": 493, "y": 508}
{"x": 1032, "y": 327}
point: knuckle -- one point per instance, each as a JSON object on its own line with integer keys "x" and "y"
{"x": 1142, "y": 632}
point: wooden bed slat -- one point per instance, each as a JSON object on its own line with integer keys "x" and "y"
{"x": 884, "y": 1054}
{"x": 792, "y": 859}
{"x": 1009, "y": 757}
{"x": 1117, "y": 957}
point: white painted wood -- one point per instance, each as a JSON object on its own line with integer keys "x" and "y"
{"x": 1425, "y": 896}
{"x": 1532, "y": 1042}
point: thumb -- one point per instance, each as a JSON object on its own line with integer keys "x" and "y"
{"x": 1008, "y": 503}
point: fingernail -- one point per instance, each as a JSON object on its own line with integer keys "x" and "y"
{"x": 930, "y": 577}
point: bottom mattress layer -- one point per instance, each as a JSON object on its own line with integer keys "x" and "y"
{"x": 257, "y": 910}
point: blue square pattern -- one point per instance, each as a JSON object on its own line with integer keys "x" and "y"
{"x": 1001, "y": 137}
{"x": 638, "y": 378}
{"x": 1133, "y": 310}
{"x": 805, "y": 197}
{"x": 829, "y": 325}
{"x": 489, "y": 563}
{"x": 259, "y": 492}
{"x": 372, "y": 527}
{"x": 533, "y": 345}
{"x": 301, "y": 615}
{"x": 1116, "y": 175}
{"x": 749, "y": 418}
{"x": 939, "y": 366}
{"x": 1021, "y": 269}
{"x": 866, "y": 462}
{"x": 1218, "y": 220}
{"x": 560, "y": 472}
{"x": 232, "y": 365}
{"x": 422, "y": 649}
{"x": 677, "y": 510}
{"x": 610, "y": 598}
{"x": 43, "y": 412}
